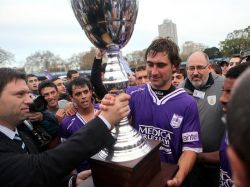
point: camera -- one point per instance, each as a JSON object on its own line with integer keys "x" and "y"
{"x": 38, "y": 105}
{"x": 39, "y": 134}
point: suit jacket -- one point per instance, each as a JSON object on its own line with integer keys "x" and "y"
{"x": 49, "y": 168}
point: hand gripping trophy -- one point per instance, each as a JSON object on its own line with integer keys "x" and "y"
{"x": 109, "y": 25}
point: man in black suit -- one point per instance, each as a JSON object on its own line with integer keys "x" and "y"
{"x": 21, "y": 164}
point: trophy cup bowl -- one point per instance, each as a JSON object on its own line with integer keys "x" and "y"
{"x": 109, "y": 25}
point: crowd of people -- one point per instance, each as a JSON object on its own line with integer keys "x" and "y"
{"x": 50, "y": 128}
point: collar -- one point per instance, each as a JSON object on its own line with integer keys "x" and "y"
{"x": 82, "y": 119}
{"x": 188, "y": 85}
{"x": 161, "y": 93}
{"x": 8, "y": 132}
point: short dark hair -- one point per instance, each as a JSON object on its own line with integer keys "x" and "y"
{"x": 55, "y": 79}
{"x": 167, "y": 46}
{"x": 223, "y": 62}
{"x": 236, "y": 71}
{"x": 44, "y": 84}
{"x": 8, "y": 75}
{"x": 70, "y": 73}
{"x": 30, "y": 75}
{"x": 140, "y": 68}
{"x": 238, "y": 118}
{"x": 217, "y": 69}
{"x": 181, "y": 71}
{"x": 42, "y": 78}
{"x": 80, "y": 81}
{"x": 236, "y": 56}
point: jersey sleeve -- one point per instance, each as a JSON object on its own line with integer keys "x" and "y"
{"x": 65, "y": 131}
{"x": 191, "y": 136}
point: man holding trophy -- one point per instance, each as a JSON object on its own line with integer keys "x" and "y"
{"x": 161, "y": 112}
{"x": 158, "y": 110}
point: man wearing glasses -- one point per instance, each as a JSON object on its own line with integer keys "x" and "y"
{"x": 206, "y": 88}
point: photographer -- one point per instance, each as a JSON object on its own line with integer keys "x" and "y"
{"x": 41, "y": 125}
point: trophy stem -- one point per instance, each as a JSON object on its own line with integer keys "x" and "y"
{"x": 129, "y": 143}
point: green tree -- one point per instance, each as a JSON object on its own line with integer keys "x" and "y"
{"x": 6, "y": 58}
{"x": 43, "y": 60}
{"x": 87, "y": 59}
{"x": 235, "y": 42}
{"x": 213, "y": 52}
{"x": 136, "y": 58}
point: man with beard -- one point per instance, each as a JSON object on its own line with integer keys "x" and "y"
{"x": 80, "y": 91}
{"x": 160, "y": 111}
{"x": 206, "y": 88}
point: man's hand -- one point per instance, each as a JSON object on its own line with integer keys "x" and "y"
{"x": 34, "y": 116}
{"x": 70, "y": 109}
{"x": 118, "y": 108}
{"x": 60, "y": 114}
{"x": 108, "y": 100}
{"x": 175, "y": 182}
{"x": 185, "y": 163}
{"x": 99, "y": 53}
{"x": 82, "y": 176}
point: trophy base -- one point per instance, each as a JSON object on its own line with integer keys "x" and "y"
{"x": 134, "y": 173}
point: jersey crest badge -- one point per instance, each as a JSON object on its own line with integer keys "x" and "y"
{"x": 211, "y": 100}
{"x": 176, "y": 121}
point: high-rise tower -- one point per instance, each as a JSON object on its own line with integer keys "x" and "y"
{"x": 168, "y": 30}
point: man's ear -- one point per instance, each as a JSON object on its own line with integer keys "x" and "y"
{"x": 210, "y": 67}
{"x": 239, "y": 170}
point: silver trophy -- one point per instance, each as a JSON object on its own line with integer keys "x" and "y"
{"x": 109, "y": 25}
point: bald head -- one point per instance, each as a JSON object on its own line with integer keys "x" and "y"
{"x": 198, "y": 56}
{"x": 198, "y": 69}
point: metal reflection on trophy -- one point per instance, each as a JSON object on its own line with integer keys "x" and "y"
{"x": 109, "y": 25}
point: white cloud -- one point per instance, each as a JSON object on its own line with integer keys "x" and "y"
{"x": 29, "y": 25}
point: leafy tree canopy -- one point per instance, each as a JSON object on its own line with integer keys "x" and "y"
{"x": 235, "y": 42}
{"x": 213, "y": 52}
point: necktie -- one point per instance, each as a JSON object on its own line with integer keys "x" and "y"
{"x": 19, "y": 141}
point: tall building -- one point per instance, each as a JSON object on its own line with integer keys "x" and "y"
{"x": 168, "y": 30}
{"x": 189, "y": 47}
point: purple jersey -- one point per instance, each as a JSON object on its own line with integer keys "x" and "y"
{"x": 173, "y": 119}
{"x": 71, "y": 124}
{"x": 225, "y": 169}
{"x": 68, "y": 126}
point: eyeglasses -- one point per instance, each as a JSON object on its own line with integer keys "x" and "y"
{"x": 199, "y": 68}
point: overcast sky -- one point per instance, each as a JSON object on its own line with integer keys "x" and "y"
{"x": 27, "y": 26}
